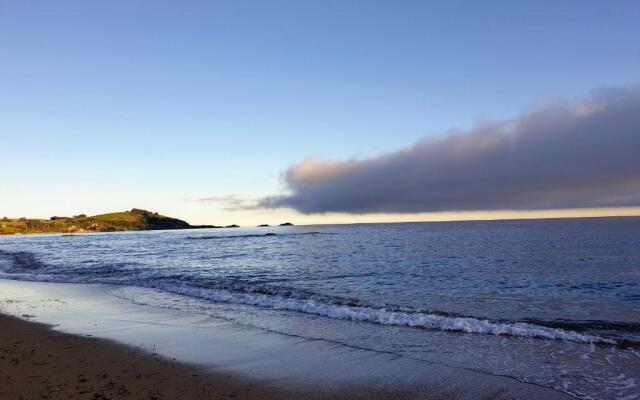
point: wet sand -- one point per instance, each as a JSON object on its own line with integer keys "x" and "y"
{"x": 84, "y": 341}
{"x": 39, "y": 363}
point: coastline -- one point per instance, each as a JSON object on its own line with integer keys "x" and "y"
{"x": 38, "y": 362}
{"x": 92, "y": 329}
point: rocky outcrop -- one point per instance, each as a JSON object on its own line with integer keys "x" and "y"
{"x": 134, "y": 220}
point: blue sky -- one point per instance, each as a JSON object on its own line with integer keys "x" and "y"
{"x": 146, "y": 104}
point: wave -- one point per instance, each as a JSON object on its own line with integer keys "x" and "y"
{"x": 23, "y": 266}
{"x": 580, "y": 326}
{"x": 387, "y": 317}
{"x": 19, "y": 261}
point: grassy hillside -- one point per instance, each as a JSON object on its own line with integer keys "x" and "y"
{"x": 134, "y": 220}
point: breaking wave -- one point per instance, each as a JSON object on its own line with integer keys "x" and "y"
{"x": 24, "y": 266}
{"x": 387, "y": 317}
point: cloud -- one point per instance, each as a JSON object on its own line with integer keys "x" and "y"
{"x": 229, "y": 203}
{"x": 565, "y": 155}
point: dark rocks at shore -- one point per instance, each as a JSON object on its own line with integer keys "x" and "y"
{"x": 263, "y": 225}
{"x": 286, "y": 224}
{"x": 158, "y": 222}
{"x": 232, "y": 226}
{"x": 270, "y": 234}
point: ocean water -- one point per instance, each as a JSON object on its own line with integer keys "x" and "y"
{"x": 554, "y": 303}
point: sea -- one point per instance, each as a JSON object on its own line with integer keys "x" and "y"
{"x": 553, "y": 302}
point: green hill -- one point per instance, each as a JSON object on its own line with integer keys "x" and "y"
{"x": 134, "y": 220}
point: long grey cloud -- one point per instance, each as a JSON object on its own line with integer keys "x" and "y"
{"x": 584, "y": 154}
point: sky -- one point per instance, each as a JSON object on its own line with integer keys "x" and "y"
{"x": 209, "y": 111}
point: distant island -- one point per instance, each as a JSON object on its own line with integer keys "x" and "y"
{"x": 283, "y": 224}
{"x": 134, "y": 220}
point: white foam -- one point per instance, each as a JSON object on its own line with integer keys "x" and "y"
{"x": 386, "y": 317}
{"x": 355, "y": 313}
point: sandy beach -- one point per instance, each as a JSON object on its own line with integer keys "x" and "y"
{"x": 39, "y": 363}
{"x": 70, "y": 341}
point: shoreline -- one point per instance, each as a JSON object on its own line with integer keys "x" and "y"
{"x": 39, "y": 362}
{"x": 228, "y": 359}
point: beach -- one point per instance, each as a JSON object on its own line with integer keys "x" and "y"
{"x": 40, "y": 363}
{"x": 76, "y": 341}
{"x": 465, "y": 310}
